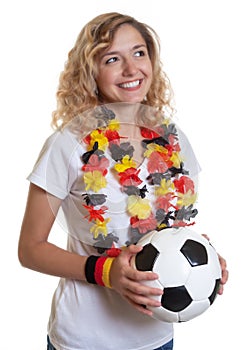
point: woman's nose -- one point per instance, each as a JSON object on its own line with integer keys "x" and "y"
{"x": 129, "y": 67}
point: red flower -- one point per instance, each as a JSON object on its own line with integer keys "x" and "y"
{"x": 184, "y": 184}
{"x": 95, "y": 213}
{"x": 144, "y": 225}
{"x": 129, "y": 177}
{"x": 158, "y": 163}
{"x": 170, "y": 149}
{"x": 113, "y": 252}
{"x": 112, "y": 135}
{"x": 173, "y": 142}
{"x": 148, "y": 133}
{"x": 96, "y": 163}
{"x": 87, "y": 139}
{"x": 165, "y": 202}
{"x": 180, "y": 223}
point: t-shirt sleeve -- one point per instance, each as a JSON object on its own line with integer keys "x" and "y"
{"x": 56, "y": 167}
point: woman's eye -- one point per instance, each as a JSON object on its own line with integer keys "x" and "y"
{"x": 111, "y": 59}
{"x": 139, "y": 53}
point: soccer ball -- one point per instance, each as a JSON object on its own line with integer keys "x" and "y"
{"x": 188, "y": 268}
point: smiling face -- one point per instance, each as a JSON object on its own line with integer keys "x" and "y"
{"x": 124, "y": 69}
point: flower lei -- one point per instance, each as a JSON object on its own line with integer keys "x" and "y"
{"x": 174, "y": 190}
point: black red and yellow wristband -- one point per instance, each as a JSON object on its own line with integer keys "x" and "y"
{"x": 97, "y": 269}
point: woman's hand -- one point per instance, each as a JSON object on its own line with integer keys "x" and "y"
{"x": 224, "y": 273}
{"x": 127, "y": 281}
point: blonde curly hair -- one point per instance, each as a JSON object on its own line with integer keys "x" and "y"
{"x": 77, "y": 90}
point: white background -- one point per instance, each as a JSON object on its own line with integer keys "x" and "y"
{"x": 203, "y": 49}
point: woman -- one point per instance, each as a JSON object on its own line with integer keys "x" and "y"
{"x": 100, "y": 302}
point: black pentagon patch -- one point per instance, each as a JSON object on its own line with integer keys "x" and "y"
{"x": 215, "y": 291}
{"x": 175, "y": 298}
{"x": 195, "y": 253}
{"x": 145, "y": 259}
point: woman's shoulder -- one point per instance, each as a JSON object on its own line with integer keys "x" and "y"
{"x": 62, "y": 142}
{"x": 63, "y": 137}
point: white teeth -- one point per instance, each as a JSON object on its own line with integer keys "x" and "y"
{"x": 130, "y": 85}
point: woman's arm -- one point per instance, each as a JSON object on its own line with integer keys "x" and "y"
{"x": 35, "y": 252}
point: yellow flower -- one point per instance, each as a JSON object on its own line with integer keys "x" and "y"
{"x": 166, "y": 186}
{"x": 166, "y": 121}
{"x": 152, "y": 147}
{"x": 100, "y": 227}
{"x": 98, "y": 137}
{"x": 176, "y": 159}
{"x": 162, "y": 226}
{"x": 114, "y": 125}
{"x": 126, "y": 163}
{"x": 94, "y": 180}
{"x": 186, "y": 199}
{"x": 139, "y": 207}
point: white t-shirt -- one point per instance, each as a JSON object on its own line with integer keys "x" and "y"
{"x": 86, "y": 316}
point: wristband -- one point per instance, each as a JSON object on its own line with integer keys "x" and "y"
{"x": 97, "y": 270}
{"x": 90, "y": 268}
{"x": 106, "y": 271}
